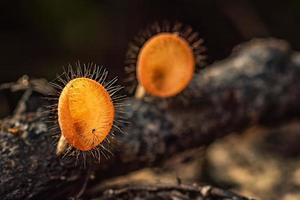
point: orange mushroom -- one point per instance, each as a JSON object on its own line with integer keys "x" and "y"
{"x": 161, "y": 61}
{"x": 165, "y": 65}
{"x": 85, "y": 113}
{"x": 88, "y": 109}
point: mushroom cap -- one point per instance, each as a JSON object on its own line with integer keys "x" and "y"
{"x": 85, "y": 113}
{"x": 165, "y": 65}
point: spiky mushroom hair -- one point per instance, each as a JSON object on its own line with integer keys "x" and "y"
{"x": 87, "y": 110}
{"x": 163, "y": 59}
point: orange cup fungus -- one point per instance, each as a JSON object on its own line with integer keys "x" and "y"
{"x": 165, "y": 65}
{"x": 85, "y": 113}
{"x": 88, "y": 110}
{"x": 163, "y": 59}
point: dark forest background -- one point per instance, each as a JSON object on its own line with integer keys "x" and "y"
{"x": 38, "y": 37}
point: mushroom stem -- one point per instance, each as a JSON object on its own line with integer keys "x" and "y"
{"x": 140, "y": 92}
{"x": 61, "y": 145}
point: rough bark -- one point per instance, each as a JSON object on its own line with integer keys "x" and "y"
{"x": 258, "y": 84}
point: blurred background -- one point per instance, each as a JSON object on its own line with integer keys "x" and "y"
{"x": 39, "y": 37}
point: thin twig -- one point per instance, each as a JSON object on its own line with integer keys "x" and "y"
{"x": 203, "y": 191}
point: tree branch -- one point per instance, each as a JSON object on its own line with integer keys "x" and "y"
{"x": 167, "y": 192}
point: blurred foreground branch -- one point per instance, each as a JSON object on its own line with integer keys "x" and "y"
{"x": 258, "y": 84}
{"x": 167, "y": 192}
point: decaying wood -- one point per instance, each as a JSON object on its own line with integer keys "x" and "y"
{"x": 259, "y": 84}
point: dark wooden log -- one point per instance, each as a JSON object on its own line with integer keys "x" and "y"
{"x": 258, "y": 84}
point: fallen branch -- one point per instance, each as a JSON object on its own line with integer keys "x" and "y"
{"x": 165, "y": 192}
{"x": 258, "y": 84}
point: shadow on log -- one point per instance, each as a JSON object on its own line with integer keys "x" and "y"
{"x": 258, "y": 84}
